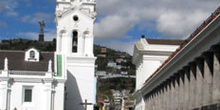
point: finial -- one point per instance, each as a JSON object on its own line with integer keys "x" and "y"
{"x": 50, "y": 66}
{"x": 6, "y": 64}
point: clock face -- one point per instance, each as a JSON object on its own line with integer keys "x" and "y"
{"x": 75, "y": 18}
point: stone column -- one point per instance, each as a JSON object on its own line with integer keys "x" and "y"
{"x": 161, "y": 97}
{"x": 177, "y": 92}
{"x": 207, "y": 85}
{"x": 156, "y": 100}
{"x": 216, "y": 76}
{"x": 169, "y": 98}
{"x": 186, "y": 88}
{"x": 153, "y": 102}
{"x": 147, "y": 102}
{"x": 48, "y": 96}
{"x": 165, "y": 97}
{"x": 4, "y": 87}
{"x": 192, "y": 85}
{"x": 172, "y": 94}
{"x": 199, "y": 82}
{"x": 3, "y": 93}
{"x": 181, "y": 90}
{"x": 150, "y": 102}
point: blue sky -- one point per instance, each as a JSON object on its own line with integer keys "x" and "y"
{"x": 119, "y": 23}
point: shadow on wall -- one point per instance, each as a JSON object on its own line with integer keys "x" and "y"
{"x": 72, "y": 94}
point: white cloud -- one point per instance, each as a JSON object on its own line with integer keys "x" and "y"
{"x": 3, "y": 24}
{"x": 174, "y": 18}
{"x": 179, "y": 24}
{"x": 49, "y": 35}
{"x": 113, "y": 27}
{"x": 39, "y": 16}
{"x": 8, "y": 7}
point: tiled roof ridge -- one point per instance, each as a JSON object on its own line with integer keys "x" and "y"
{"x": 164, "y": 39}
{"x": 190, "y": 38}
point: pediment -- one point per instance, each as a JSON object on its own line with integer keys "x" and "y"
{"x": 76, "y": 8}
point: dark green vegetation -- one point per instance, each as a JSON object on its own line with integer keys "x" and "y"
{"x": 23, "y": 44}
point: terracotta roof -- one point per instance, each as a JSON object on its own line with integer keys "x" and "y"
{"x": 16, "y": 61}
{"x": 191, "y": 37}
{"x": 165, "y": 41}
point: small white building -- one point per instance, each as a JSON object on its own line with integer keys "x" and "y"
{"x": 101, "y": 73}
{"x": 28, "y": 81}
{"x": 112, "y": 64}
{"x": 148, "y": 55}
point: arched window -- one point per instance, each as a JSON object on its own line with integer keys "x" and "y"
{"x": 32, "y": 54}
{"x": 75, "y": 41}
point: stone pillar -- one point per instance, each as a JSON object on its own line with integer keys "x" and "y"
{"x": 147, "y": 102}
{"x": 181, "y": 90}
{"x": 186, "y": 88}
{"x": 3, "y": 94}
{"x": 48, "y": 96}
{"x": 165, "y": 97}
{"x": 208, "y": 69}
{"x": 153, "y": 102}
{"x": 156, "y": 100}
{"x": 192, "y": 85}
{"x": 172, "y": 94}
{"x": 159, "y": 103}
{"x": 169, "y": 98}
{"x": 161, "y": 97}
{"x": 177, "y": 92}
{"x": 4, "y": 99}
{"x": 199, "y": 82}
{"x": 216, "y": 76}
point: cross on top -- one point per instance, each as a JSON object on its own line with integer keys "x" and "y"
{"x": 86, "y": 103}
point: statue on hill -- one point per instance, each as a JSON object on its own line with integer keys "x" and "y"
{"x": 42, "y": 24}
{"x": 41, "y": 35}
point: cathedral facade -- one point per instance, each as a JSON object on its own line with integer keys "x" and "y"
{"x": 61, "y": 80}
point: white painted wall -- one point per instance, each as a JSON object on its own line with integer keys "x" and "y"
{"x": 80, "y": 82}
{"x": 147, "y": 58}
{"x": 42, "y": 87}
{"x": 79, "y": 67}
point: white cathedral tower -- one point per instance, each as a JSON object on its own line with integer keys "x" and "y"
{"x": 74, "y": 54}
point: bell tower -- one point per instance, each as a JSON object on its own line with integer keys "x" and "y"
{"x": 75, "y": 60}
{"x": 75, "y": 20}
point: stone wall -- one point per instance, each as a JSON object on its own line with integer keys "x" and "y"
{"x": 196, "y": 86}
